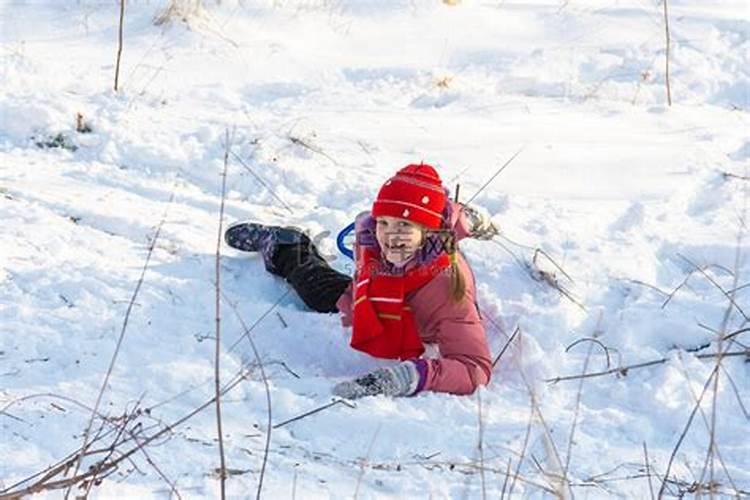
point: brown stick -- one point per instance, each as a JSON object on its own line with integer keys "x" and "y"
{"x": 728, "y": 295}
{"x": 260, "y": 179}
{"x": 313, "y": 412}
{"x": 77, "y": 479}
{"x": 267, "y": 389}
{"x": 714, "y": 446}
{"x": 507, "y": 344}
{"x": 119, "y": 44}
{"x": 123, "y": 330}
{"x": 217, "y": 350}
{"x": 579, "y": 397}
{"x": 524, "y": 447}
{"x": 480, "y": 444}
{"x": 648, "y": 470}
{"x": 499, "y": 170}
{"x": 666, "y": 31}
{"x": 505, "y": 481}
{"x": 363, "y": 464}
{"x": 686, "y": 428}
{"x": 625, "y": 369}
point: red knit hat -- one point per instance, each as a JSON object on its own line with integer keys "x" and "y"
{"x": 415, "y": 193}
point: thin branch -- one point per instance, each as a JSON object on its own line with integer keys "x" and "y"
{"x": 625, "y": 369}
{"x": 730, "y": 175}
{"x": 119, "y": 43}
{"x": 314, "y": 149}
{"x": 217, "y": 350}
{"x": 579, "y": 397}
{"x": 480, "y": 444}
{"x": 547, "y": 435}
{"x": 123, "y": 330}
{"x": 364, "y": 460}
{"x": 505, "y": 481}
{"x": 523, "y": 447}
{"x": 314, "y": 411}
{"x": 712, "y": 447}
{"x": 595, "y": 341}
{"x": 267, "y": 389}
{"x": 260, "y": 179}
{"x": 671, "y": 295}
{"x": 247, "y": 331}
{"x": 507, "y": 344}
{"x": 648, "y": 470}
{"x": 726, "y": 294}
{"x": 541, "y": 252}
{"x": 499, "y": 170}
{"x": 736, "y": 392}
{"x": 686, "y": 428}
{"x": 666, "y": 31}
{"x": 84, "y": 476}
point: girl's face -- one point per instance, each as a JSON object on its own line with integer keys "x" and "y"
{"x": 399, "y": 239}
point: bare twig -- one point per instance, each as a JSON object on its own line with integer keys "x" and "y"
{"x": 505, "y": 481}
{"x": 541, "y": 252}
{"x": 119, "y": 43}
{"x": 648, "y": 470}
{"x": 123, "y": 330}
{"x": 314, "y": 149}
{"x": 313, "y": 412}
{"x": 729, "y": 296}
{"x": 713, "y": 446}
{"x": 666, "y": 31}
{"x": 563, "y": 489}
{"x": 686, "y": 428}
{"x": 595, "y": 341}
{"x": 507, "y": 344}
{"x": 364, "y": 461}
{"x": 523, "y": 447}
{"x": 267, "y": 389}
{"x": 623, "y": 370}
{"x": 579, "y": 396}
{"x": 260, "y": 179}
{"x": 729, "y": 175}
{"x": 217, "y": 350}
{"x": 644, "y": 284}
{"x": 112, "y": 464}
{"x": 499, "y": 170}
{"x": 480, "y": 444}
{"x": 736, "y": 392}
{"x": 247, "y": 331}
{"x": 671, "y": 295}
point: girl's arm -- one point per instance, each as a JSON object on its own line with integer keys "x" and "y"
{"x": 456, "y": 328}
{"x": 471, "y": 222}
{"x": 465, "y": 361}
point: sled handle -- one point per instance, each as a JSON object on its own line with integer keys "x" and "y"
{"x": 340, "y": 241}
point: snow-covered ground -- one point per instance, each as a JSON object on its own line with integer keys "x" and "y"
{"x": 323, "y": 101}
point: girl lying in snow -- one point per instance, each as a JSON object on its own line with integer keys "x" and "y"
{"x": 413, "y": 293}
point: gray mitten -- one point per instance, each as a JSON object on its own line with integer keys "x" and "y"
{"x": 481, "y": 226}
{"x": 399, "y": 380}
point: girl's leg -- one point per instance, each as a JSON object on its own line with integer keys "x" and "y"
{"x": 318, "y": 285}
{"x": 289, "y": 253}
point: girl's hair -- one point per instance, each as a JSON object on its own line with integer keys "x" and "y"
{"x": 458, "y": 280}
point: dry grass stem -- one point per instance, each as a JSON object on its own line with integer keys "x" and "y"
{"x": 217, "y": 344}
{"x": 267, "y": 390}
{"x": 123, "y": 331}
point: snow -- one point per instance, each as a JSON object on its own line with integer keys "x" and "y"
{"x": 627, "y": 194}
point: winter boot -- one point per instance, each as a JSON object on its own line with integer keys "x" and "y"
{"x": 256, "y": 237}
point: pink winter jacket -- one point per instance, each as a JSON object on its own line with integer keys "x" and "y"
{"x": 457, "y": 354}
